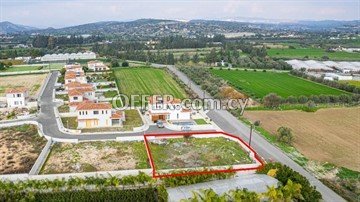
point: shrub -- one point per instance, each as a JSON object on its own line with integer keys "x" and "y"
{"x": 272, "y": 100}
{"x": 284, "y": 173}
{"x": 125, "y": 64}
{"x": 285, "y": 135}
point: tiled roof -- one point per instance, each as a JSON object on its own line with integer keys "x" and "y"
{"x": 75, "y": 104}
{"x": 117, "y": 115}
{"x": 79, "y": 91}
{"x": 70, "y": 75}
{"x": 92, "y": 106}
{"x": 77, "y": 85}
{"x": 16, "y": 90}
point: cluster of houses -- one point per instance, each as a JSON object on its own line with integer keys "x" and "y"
{"x": 83, "y": 101}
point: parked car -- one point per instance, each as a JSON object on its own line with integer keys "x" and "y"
{"x": 160, "y": 124}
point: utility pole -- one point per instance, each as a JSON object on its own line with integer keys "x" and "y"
{"x": 251, "y": 129}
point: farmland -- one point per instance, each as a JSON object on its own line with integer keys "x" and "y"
{"x": 147, "y": 81}
{"x": 311, "y": 53}
{"x": 95, "y": 156}
{"x": 19, "y": 148}
{"x": 33, "y": 82}
{"x": 259, "y": 84}
{"x": 328, "y": 135}
{"x": 197, "y": 152}
{"x": 352, "y": 82}
{"x": 34, "y": 67}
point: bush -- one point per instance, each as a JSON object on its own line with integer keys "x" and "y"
{"x": 272, "y": 100}
{"x": 285, "y": 135}
{"x": 125, "y": 64}
{"x": 284, "y": 173}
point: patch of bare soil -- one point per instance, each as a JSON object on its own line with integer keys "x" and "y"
{"x": 92, "y": 156}
{"x": 32, "y": 81}
{"x": 19, "y": 148}
{"x": 328, "y": 135}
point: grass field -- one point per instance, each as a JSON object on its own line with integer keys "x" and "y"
{"x": 259, "y": 84}
{"x": 33, "y": 82}
{"x": 327, "y": 135}
{"x": 95, "y": 156}
{"x": 147, "y": 81}
{"x": 312, "y": 53}
{"x": 34, "y": 67}
{"x": 352, "y": 82}
{"x": 197, "y": 152}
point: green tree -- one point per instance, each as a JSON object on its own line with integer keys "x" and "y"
{"x": 285, "y": 135}
{"x": 272, "y": 100}
{"x": 196, "y": 58}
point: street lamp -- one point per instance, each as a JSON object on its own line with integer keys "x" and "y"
{"x": 256, "y": 123}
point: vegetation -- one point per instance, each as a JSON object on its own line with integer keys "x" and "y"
{"x": 285, "y": 135}
{"x": 289, "y": 192}
{"x": 197, "y": 152}
{"x": 200, "y": 121}
{"x": 147, "y": 81}
{"x": 259, "y": 84}
{"x": 110, "y": 94}
{"x": 283, "y": 173}
{"x": 132, "y": 119}
{"x": 311, "y": 53}
{"x": 193, "y": 179}
{"x": 69, "y": 122}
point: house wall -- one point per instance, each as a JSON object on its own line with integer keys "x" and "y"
{"x": 73, "y": 98}
{"x": 171, "y": 112}
{"x": 13, "y": 100}
{"x": 87, "y": 118}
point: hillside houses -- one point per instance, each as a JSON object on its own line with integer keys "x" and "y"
{"x": 89, "y": 112}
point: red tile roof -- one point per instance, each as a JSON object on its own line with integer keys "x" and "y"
{"x": 92, "y": 106}
{"x": 158, "y": 99}
{"x": 77, "y": 85}
{"x": 16, "y": 90}
{"x": 79, "y": 91}
{"x": 117, "y": 115}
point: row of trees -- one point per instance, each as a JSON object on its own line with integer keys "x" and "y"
{"x": 50, "y": 42}
{"x": 272, "y": 100}
{"x": 334, "y": 84}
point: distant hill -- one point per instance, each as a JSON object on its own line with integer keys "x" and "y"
{"x": 8, "y": 27}
{"x": 160, "y": 27}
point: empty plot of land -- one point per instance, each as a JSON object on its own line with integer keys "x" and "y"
{"x": 259, "y": 84}
{"x": 33, "y": 82}
{"x": 147, "y": 81}
{"x": 19, "y": 148}
{"x": 95, "y": 156}
{"x": 328, "y": 135}
{"x": 197, "y": 152}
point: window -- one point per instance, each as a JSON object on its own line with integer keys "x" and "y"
{"x": 79, "y": 113}
{"x": 16, "y": 103}
{"x": 18, "y": 95}
{"x": 86, "y": 112}
{"x": 102, "y": 111}
{"x": 96, "y": 112}
{"x": 177, "y": 115}
{"x": 75, "y": 98}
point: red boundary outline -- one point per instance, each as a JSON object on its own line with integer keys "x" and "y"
{"x": 157, "y": 175}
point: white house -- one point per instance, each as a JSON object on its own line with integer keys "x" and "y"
{"x": 17, "y": 97}
{"x": 96, "y": 65}
{"x": 81, "y": 94}
{"x": 95, "y": 115}
{"x": 71, "y": 76}
{"x": 160, "y": 108}
{"x": 74, "y": 67}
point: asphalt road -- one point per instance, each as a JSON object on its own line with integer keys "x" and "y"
{"x": 230, "y": 124}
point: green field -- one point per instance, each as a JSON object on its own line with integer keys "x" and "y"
{"x": 147, "y": 81}
{"x": 352, "y": 82}
{"x": 259, "y": 84}
{"x": 312, "y": 53}
{"x": 34, "y": 67}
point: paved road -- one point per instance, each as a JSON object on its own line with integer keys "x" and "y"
{"x": 47, "y": 119}
{"x": 229, "y": 123}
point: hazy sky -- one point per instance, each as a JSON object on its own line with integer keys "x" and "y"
{"x": 54, "y": 13}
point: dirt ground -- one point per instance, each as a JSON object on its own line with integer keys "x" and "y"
{"x": 95, "y": 156}
{"x": 197, "y": 152}
{"x": 32, "y": 81}
{"x": 19, "y": 148}
{"x": 328, "y": 135}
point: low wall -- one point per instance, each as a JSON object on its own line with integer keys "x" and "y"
{"x": 106, "y": 89}
{"x": 61, "y": 126}
{"x": 41, "y": 158}
{"x": 189, "y": 127}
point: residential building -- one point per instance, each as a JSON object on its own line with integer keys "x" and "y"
{"x": 71, "y": 76}
{"x": 74, "y": 67}
{"x": 160, "y": 108}
{"x": 17, "y": 97}
{"x": 96, "y": 65}
{"x": 81, "y": 94}
{"x": 95, "y": 115}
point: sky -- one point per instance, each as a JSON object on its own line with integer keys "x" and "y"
{"x": 57, "y": 14}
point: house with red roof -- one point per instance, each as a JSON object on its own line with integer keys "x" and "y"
{"x": 165, "y": 109}
{"x": 96, "y": 65}
{"x": 96, "y": 115}
{"x": 17, "y": 97}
